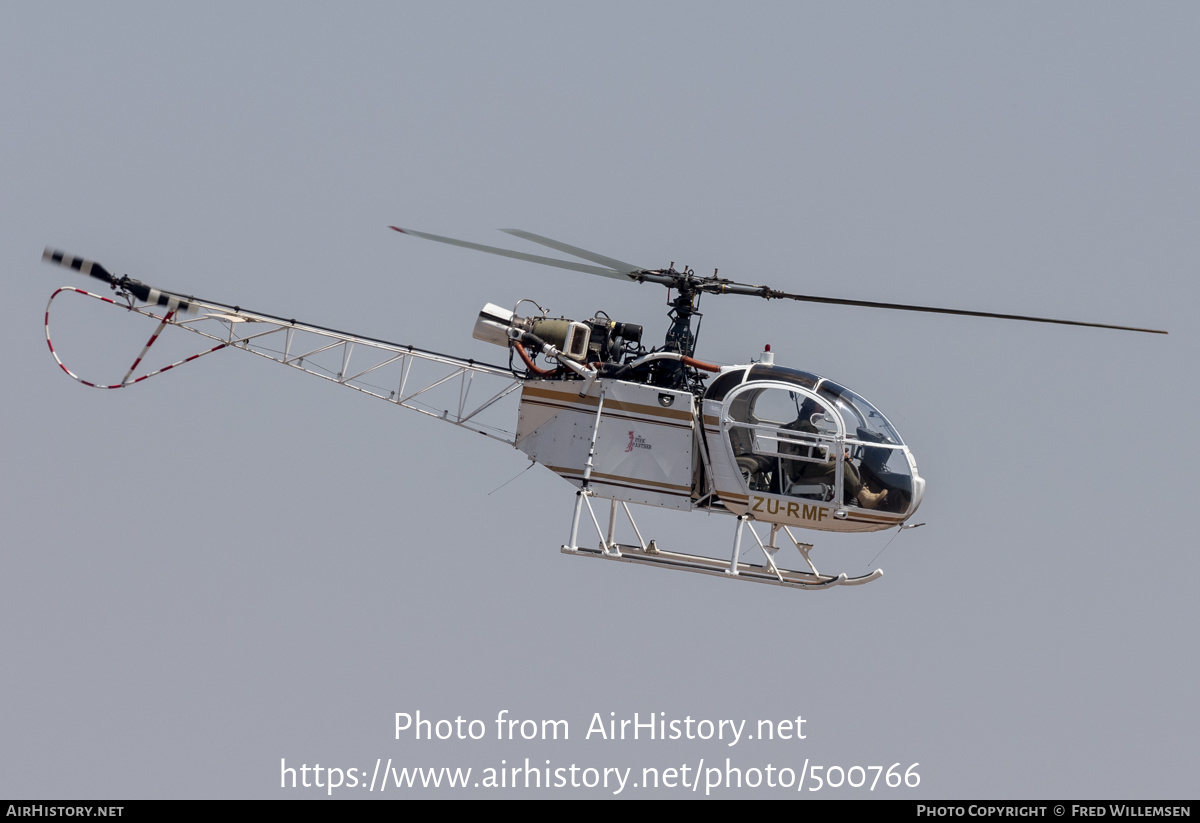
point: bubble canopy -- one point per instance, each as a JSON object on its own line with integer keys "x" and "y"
{"x": 860, "y": 419}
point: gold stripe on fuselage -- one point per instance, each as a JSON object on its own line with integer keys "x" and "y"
{"x": 629, "y": 482}
{"x": 577, "y": 403}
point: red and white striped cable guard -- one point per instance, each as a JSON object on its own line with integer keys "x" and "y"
{"x": 127, "y": 382}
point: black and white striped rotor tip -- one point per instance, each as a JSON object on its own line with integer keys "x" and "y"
{"x": 176, "y": 303}
{"x": 87, "y": 267}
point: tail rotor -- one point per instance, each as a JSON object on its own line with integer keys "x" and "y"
{"x": 175, "y": 303}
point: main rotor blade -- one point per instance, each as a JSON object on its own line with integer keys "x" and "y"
{"x": 517, "y": 255}
{"x": 769, "y": 293}
{"x": 620, "y": 270}
{"x": 619, "y": 265}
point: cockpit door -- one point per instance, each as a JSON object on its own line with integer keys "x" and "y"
{"x": 785, "y": 441}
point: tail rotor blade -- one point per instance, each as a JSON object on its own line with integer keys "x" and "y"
{"x": 87, "y": 267}
{"x": 177, "y": 303}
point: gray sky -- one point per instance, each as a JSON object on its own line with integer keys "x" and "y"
{"x": 234, "y": 564}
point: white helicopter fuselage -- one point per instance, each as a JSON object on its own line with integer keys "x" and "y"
{"x": 731, "y": 451}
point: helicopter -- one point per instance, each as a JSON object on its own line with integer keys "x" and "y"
{"x": 776, "y": 448}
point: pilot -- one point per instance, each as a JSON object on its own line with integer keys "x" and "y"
{"x": 856, "y": 491}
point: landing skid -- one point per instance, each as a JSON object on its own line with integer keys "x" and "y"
{"x": 648, "y": 554}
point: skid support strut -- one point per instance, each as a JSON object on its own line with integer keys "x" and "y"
{"x": 585, "y": 492}
{"x": 649, "y": 554}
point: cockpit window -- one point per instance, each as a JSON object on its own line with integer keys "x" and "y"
{"x": 862, "y": 420}
{"x": 775, "y": 406}
{"x": 783, "y": 408}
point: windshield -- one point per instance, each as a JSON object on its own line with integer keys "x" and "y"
{"x": 863, "y": 421}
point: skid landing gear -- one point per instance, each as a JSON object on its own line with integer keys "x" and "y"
{"x": 649, "y": 554}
